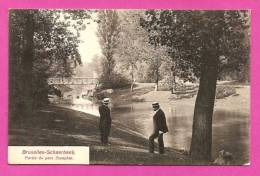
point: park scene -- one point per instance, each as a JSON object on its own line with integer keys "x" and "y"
{"x": 142, "y": 87}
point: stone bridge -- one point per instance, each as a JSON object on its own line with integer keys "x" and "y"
{"x": 73, "y": 81}
{"x": 73, "y": 89}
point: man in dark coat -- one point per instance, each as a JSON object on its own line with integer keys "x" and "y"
{"x": 105, "y": 121}
{"x": 159, "y": 128}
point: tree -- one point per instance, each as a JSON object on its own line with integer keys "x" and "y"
{"x": 206, "y": 42}
{"x": 128, "y": 53}
{"x": 240, "y": 70}
{"x": 108, "y": 33}
{"x": 163, "y": 34}
{"x": 155, "y": 58}
{"x": 41, "y": 45}
{"x": 134, "y": 48}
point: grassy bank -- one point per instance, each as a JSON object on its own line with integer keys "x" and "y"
{"x": 144, "y": 92}
{"x": 55, "y": 126}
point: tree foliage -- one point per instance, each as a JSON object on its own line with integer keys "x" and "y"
{"x": 108, "y": 33}
{"x": 203, "y": 43}
{"x": 134, "y": 49}
{"x": 42, "y": 44}
{"x": 190, "y": 35}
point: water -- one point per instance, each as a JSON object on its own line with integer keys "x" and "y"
{"x": 230, "y": 129}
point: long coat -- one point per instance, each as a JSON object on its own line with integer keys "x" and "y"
{"x": 105, "y": 119}
{"x": 159, "y": 122}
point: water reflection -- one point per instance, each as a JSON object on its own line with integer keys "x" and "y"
{"x": 231, "y": 132}
{"x": 230, "y": 129}
{"x": 179, "y": 120}
{"x": 87, "y": 108}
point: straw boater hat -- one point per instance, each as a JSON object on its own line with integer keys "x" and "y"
{"x": 105, "y": 101}
{"x": 155, "y": 104}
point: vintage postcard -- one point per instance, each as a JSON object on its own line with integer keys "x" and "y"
{"x": 145, "y": 87}
{"x": 163, "y": 87}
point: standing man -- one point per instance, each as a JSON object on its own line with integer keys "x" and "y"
{"x": 159, "y": 127}
{"x": 105, "y": 121}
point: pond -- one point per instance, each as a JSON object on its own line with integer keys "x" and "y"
{"x": 230, "y": 129}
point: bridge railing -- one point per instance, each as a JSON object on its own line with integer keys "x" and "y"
{"x": 73, "y": 81}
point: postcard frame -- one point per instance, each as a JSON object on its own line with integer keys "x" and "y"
{"x": 64, "y": 170}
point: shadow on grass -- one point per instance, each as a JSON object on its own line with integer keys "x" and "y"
{"x": 56, "y": 126}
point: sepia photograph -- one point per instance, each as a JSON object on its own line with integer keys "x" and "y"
{"x": 137, "y": 87}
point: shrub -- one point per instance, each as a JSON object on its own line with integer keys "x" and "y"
{"x": 223, "y": 91}
{"x": 116, "y": 81}
{"x": 135, "y": 99}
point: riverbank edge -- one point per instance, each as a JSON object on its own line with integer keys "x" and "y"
{"x": 56, "y": 126}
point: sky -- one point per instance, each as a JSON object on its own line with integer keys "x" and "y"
{"x": 89, "y": 47}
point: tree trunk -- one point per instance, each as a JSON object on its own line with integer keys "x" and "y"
{"x": 156, "y": 83}
{"x": 200, "y": 149}
{"x": 172, "y": 85}
{"x": 132, "y": 79}
{"x": 157, "y": 77}
{"x": 246, "y": 61}
{"x": 174, "y": 82}
{"x": 173, "y": 73}
{"x": 245, "y": 71}
{"x": 27, "y": 64}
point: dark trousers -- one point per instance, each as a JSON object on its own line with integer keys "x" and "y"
{"x": 160, "y": 142}
{"x": 104, "y": 138}
{"x": 104, "y": 133}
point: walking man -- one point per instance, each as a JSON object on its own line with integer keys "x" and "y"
{"x": 159, "y": 128}
{"x": 105, "y": 121}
